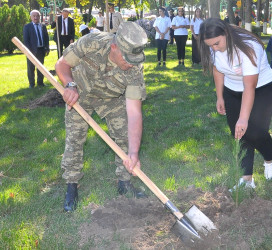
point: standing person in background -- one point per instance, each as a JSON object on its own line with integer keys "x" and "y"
{"x": 162, "y": 26}
{"x": 180, "y": 24}
{"x": 115, "y": 19}
{"x": 237, "y": 19}
{"x": 66, "y": 28}
{"x": 37, "y": 41}
{"x": 171, "y": 16}
{"x": 226, "y": 19}
{"x": 195, "y": 25}
{"x": 243, "y": 81}
{"x": 269, "y": 50}
{"x": 100, "y": 21}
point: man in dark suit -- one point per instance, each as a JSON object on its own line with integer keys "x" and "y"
{"x": 66, "y": 28}
{"x": 37, "y": 41}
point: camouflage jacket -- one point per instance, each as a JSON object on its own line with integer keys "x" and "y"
{"x": 95, "y": 73}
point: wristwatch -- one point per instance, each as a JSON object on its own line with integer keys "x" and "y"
{"x": 71, "y": 85}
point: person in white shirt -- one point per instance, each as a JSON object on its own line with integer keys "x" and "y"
{"x": 100, "y": 20}
{"x": 180, "y": 24}
{"x": 195, "y": 25}
{"x": 162, "y": 26}
{"x": 243, "y": 81}
{"x": 115, "y": 19}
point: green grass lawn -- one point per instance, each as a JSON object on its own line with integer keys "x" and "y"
{"x": 185, "y": 142}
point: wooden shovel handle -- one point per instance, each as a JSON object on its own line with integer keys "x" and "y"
{"x": 93, "y": 124}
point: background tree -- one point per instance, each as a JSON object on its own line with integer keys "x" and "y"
{"x": 3, "y": 2}
{"x": 258, "y": 13}
{"x": 214, "y": 8}
{"x": 266, "y": 12}
{"x": 242, "y": 12}
{"x": 230, "y": 11}
{"x": 78, "y": 21}
{"x": 248, "y": 4}
{"x": 12, "y": 22}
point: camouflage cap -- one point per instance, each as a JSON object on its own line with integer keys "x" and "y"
{"x": 131, "y": 40}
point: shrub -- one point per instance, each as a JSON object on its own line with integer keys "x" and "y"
{"x": 92, "y": 23}
{"x": 147, "y": 25}
{"x": 132, "y": 18}
{"x": 12, "y": 22}
{"x": 78, "y": 22}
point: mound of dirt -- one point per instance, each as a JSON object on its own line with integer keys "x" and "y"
{"x": 50, "y": 99}
{"x": 146, "y": 224}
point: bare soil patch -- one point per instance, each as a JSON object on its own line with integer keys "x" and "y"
{"x": 146, "y": 224}
{"x": 52, "y": 98}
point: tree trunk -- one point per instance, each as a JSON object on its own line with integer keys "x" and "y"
{"x": 230, "y": 11}
{"x": 248, "y": 25}
{"x": 242, "y": 12}
{"x": 119, "y": 5}
{"x": 90, "y": 11}
{"x": 258, "y": 13}
{"x": 266, "y": 9}
{"x": 214, "y": 8}
{"x": 136, "y": 9}
{"x": 160, "y": 3}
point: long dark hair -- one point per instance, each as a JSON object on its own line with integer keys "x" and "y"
{"x": 200, "y": 16}
{"x": 235, "y": 39}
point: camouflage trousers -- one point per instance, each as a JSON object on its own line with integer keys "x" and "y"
{"x": 114, "y": 111}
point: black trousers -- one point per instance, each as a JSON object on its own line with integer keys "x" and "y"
{"x": 161, "y": 45}
{"x": 64, "y": 41}
{"x": 257, "y": 135}
{"x": 100, "y": 28}
{"x": 181, "y": 43}
{"x": 171, "y": 36}
{"x": 195, "y": 51}
{"x": 31, "y": 68}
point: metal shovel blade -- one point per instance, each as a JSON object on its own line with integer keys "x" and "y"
{"x": 184, "y": 230}
{"x": 200, "y": 221}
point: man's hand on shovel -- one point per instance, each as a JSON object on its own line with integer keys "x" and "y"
{"x": 131, "y": 162}
{"x": 70, "y": 96}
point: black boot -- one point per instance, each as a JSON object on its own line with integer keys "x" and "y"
{"x": 71, "y": 197}
{"x": 125, "y": 187}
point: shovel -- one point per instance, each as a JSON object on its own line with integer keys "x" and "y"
{"x": 189, "y": 226}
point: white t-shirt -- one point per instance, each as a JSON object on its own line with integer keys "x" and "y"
{"x": 233, "y": 74}
{"x": 162, "y": 23}
{"x": 196, "y": 24}
{"x": 100, "y": 21}
{"x": 180, "y": 20}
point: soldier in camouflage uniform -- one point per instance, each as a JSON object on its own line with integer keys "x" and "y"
{"x": 104, "y": 73}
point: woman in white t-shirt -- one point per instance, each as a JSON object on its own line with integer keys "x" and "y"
{"x": 243, "y": 81}
{"x": 180, "y": 24}
{"x": 194, "y": 26}
{"x": 162, "y": 26}
{"x": 100, "y": 20}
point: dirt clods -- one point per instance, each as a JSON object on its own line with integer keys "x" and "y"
{"x": 146, "y": 224}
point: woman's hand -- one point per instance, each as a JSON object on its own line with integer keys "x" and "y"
{"x": 220, "y": 106}
{"x": 240, "y": 128}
